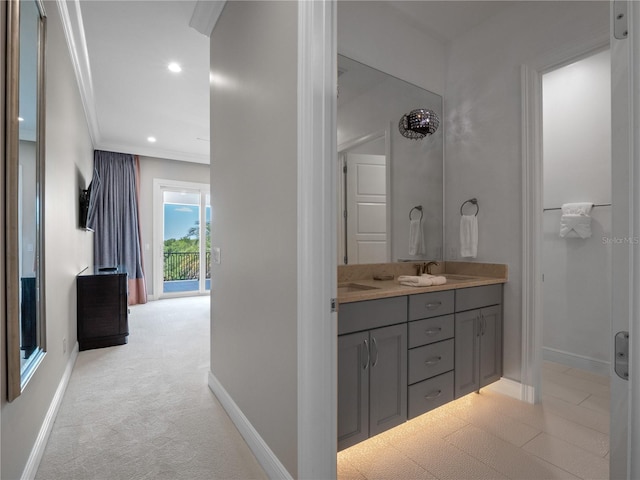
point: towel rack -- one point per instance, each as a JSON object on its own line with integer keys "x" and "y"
{"x": 417, "y": 207}
{"x": 474, "y": 201}
{"x": 560, "y": 208}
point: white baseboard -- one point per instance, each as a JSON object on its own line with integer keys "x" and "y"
{"x": 31, "y": 468}
{"x": 267, "y": 459}
{"x": 573, "y": 360}
{"x": 510, "y": 388}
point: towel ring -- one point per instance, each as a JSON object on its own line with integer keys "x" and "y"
{"x": 473, "y": 201}
{"x": 419, "y": 208}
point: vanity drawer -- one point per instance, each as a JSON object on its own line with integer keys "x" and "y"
{"x": 430, "y": 394}
{"x": 425, "y": 305}
{"x": 430, "y": 360}
{"x": 368, "y": 314}
{"x": 476, "y": 297}
{"x": 430, "y": 330}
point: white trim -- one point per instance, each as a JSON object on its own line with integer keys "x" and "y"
{"x": 317, "y": 240}
{"x": 155, "y": 152}
{"x": 508, "y": 387}
{"x": 266, "y": 458}
{"x": 71, "y": 17}
{"x": 33, "y": 462}
{"x": 573, "y": 360}
{"x": 531, "y": 134}
{"x": 205, "y": 15}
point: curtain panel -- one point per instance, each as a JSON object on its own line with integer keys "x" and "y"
{"x": 114, "y": 217}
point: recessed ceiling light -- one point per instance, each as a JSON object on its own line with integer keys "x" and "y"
{"x": 174, "y": 67}
{"x": 151, "y": 139}
{"x": 20, "y": 119}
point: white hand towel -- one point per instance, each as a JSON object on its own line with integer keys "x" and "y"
{"x": 414, "y": 281}
{"x": 416, "y": 239}
{"x": 436, "y": 279}
{"x": 575, "y": 221}
{"x": 468, "y": 236}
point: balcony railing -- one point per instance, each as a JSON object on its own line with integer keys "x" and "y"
{"x": 185, "y": 266}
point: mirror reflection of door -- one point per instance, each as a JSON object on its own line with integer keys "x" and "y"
{"x": 186, "y": 241}
{"x": 366, "y": 208}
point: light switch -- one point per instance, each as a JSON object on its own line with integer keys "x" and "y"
{"x": 216, "y": 255}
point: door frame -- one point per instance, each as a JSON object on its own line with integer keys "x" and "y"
{"x": 160, "y": 184}
{"x": 625, "y": 304}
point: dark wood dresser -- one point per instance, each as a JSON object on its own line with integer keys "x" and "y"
{"x": 102, "y": 307}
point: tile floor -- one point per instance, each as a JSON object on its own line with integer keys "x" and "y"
{"x": 491, "y": 436}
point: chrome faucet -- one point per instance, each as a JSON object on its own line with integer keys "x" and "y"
{"x": 427, "y": 267}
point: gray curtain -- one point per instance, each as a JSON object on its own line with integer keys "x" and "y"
{"x": 113, "y": 215}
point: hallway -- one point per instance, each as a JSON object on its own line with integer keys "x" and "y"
{"x": 144, "y": 410}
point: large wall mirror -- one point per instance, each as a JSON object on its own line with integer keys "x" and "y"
{"x": 382, "y": 174}
{"x": 24, "y": 189}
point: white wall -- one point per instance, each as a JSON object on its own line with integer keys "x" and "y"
{"x": 254, "y": 201}
{"x": 577, "y": 167}
{"x": 482, "y": 131}
{"x": 376, "y": 34}
{"x": 151, "y": 168}
{"x": 69, "y": 159}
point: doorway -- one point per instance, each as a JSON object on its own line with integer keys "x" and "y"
{"x": 182, "y": 238}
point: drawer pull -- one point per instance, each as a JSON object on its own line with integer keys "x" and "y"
{"x": 433, "y": 396}
{"x": 432, "y": 361}
{"x": 433, "y": 306}
{"x": 432, "y": 331}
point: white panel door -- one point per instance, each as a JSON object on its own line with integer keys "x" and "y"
{"x": 366, "y": 204}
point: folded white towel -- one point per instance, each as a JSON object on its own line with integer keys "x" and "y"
{"x": 575, "y": 226}
{"x": 575, "y": 221}
{"x": 415, "y": 281}
{"x": 436, "y": 279}
{"x": 468, "y": 236}
{"x": 416, "y": 238}
{"x": 579, "y": 208}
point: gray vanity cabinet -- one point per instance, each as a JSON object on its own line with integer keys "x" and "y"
{"x": 372, "y": 369}
{"x": 478, "y": 338}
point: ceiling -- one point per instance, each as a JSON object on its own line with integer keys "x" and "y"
{"x": 122, "y": 50}
{"x": 134, "y": 95}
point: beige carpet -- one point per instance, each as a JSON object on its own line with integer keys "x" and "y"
{"x": 144, "y": 410}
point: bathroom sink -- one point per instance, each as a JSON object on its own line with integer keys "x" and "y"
{"x": 353, "y": 287}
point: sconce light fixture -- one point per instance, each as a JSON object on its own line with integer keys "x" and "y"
{"x": 419, "y": 123}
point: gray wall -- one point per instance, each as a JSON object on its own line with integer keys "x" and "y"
{"x": 69, "y": 157}
{"x": 151, "y": 168}
{"x": 483, "y": 137}
{"x": 254, "y": 201}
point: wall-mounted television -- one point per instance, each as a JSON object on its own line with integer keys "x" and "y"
{"x": 85, "y": 196}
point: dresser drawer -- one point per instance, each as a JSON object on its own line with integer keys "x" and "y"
{"x": 425, "y": 305}
{"x": 368, "y": 314}
{"x": 477, "y": 297}
{"x": 430, "y": 394}
{"x": 430, "y": 360}
{"x": 430, "y": 330}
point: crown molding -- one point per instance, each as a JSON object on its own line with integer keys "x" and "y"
{"x": 153, "y": 152}
{"x": 73, "y": 27}
{"x": 205, "y": 15}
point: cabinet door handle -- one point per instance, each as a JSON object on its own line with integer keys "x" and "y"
{"x": 432, "y": 361}
{"x": 432, "y": 331}
{"x": 483, "y": 324}
{"x": 374, "y": 344}
{"x": 478, "y": 324}
{"x": 366, "y": 345}
{"x": 432, "y": 306}
{"x": 433, "y": 396}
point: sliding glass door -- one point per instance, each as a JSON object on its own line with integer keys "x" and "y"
{"x": 184, "y": 239}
